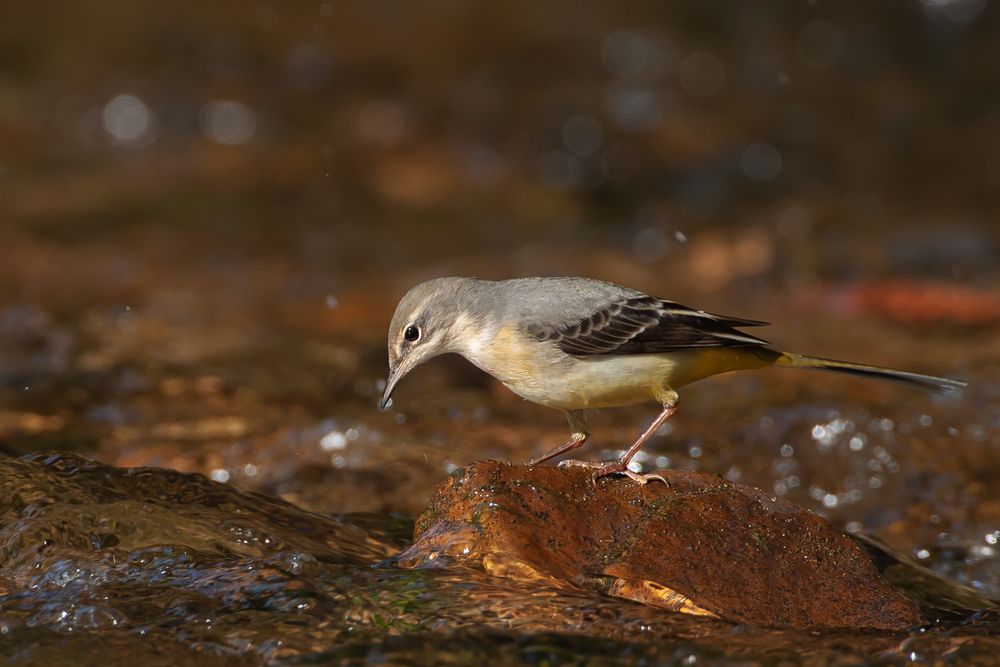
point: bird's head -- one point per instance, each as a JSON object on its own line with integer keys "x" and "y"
{"x": 423, "y": 327}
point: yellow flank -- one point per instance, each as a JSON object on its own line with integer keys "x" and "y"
{"x": 544, "y": 374}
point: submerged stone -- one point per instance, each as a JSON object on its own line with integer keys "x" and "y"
{"x": 698, "y": 544}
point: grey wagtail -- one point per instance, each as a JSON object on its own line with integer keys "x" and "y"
{"x": 578, "y": 343}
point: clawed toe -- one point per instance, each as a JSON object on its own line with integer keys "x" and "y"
{"x": 645, "y": 479}
{"x": 636, "y": 477}
{"x": 613, "y": 468}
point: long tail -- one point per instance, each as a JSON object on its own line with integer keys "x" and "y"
{"x": 927, "y": 382}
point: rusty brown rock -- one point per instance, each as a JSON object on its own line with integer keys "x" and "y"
{"x": 700, "y": 545}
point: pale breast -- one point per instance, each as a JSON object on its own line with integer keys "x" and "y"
{"x": 542, "y": 373}
{"x": 613, "y": 380}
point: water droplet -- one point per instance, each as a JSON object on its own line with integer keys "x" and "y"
{"x": 128, "y": 121}
{"x": 333, "y": 440}
{"x": 228, "y": 122}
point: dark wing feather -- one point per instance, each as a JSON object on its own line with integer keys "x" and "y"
{"x": 645, "y": 325}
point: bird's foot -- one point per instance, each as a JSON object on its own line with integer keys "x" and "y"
{"x": 612, "y": 468}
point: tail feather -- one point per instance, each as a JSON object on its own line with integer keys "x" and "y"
{"x": 927, "y": 382}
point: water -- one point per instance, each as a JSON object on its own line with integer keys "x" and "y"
{"x": 210, "y": 212}
{"x": 166, "y": 566}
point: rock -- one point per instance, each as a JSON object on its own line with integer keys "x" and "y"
{"x": 701, "y": 545}
{"x": 59, "y": 509}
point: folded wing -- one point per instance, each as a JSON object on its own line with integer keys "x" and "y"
{"x": 646, "y": 325}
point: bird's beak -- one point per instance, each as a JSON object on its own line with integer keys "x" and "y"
{"x": 395, "y": 375}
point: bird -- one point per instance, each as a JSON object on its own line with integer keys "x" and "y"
{"x": 576, "y": 344}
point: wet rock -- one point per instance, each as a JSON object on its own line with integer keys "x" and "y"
{"x": 156, "y": 567}
{"x": 701, "y": 545}
{"x": 59, "y": 512}
{"x": 160, "y": 567}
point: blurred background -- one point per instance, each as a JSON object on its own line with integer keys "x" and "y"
{"x": 209, "y": 211}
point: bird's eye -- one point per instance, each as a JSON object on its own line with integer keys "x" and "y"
{"x": 412, "y": 333}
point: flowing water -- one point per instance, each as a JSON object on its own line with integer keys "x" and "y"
{"x": 209, "y": 213}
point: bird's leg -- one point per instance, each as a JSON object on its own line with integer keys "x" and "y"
{"x": 576, "y": 440}
{"x": 580, "y": 433}
{"x": 621, "y": 465}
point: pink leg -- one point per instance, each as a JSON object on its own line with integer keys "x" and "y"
{"x": 576, "y": 441}
{"x": 621, "y": 465}
{"x": 578, "y": 425}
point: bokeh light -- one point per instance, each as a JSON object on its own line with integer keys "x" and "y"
{"x": 129, "y": 121}
{"x": 228, "y": 122}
